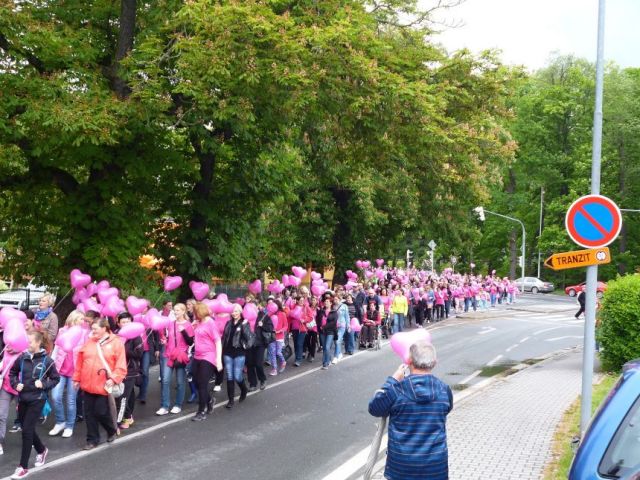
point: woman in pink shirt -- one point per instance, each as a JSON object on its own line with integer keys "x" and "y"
{"x": 207, "y": 358}
{"x": 179, "y": 338}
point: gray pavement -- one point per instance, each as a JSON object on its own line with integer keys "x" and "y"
{"x": 505, "y": 430}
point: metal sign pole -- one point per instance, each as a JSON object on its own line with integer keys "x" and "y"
{"x": 592, "y": 271}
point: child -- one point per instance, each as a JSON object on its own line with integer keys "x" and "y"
{"x": 32, "y": 375}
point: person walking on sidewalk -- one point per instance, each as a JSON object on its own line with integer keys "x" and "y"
{"x": 582, "y": 297}
{"x": 417, "y": 405}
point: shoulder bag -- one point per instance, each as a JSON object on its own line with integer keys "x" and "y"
{"x": 118, "y": 388}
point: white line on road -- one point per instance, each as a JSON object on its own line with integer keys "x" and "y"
{"x": 524, "y": 339}
{"x": 555, "y": 339}
{"x": 494, "y": 361}
{"x": 511, "y": 347}
{"x": 470, "y": 377}
{"x": 546, "y": 330}
{"x": 487, "y": 330}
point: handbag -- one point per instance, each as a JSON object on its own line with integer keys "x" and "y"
{"x": 118, "y": 388}
{"x": 176, "y": 363}
{"x": 287, "y": 351}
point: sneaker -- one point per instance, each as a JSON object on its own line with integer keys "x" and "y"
{"x": 339, "y": 357}
{"x": 324, "y": 367}
{"x": 67, "y": 433}
{"x": 273, "y": 372}
{"x": 20, "y": 473}
{"x": 130, "y": 421}
{"x": 217, "y": 388}
{"x": 162, "y": 411}
{"x": 253, "y": 388}
{"x": 41, "y": 457}
{"x": 89, "y": 446}
{"x": 263, "y": 385}
{"x": 56, "y": 430}
{"x": 283, "y": 365}
{"x": 175, "y": 409}
{"x": 123, "y": 425}
{"x": 15, "y": 429}
{"x": 334, "y": 360}
{"x": 199, "y": 417}
{"x": 310, "y": 359}
{"x": 1, "y": 450}
{"x": 296, "y": 364}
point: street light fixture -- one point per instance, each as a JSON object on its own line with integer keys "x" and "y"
{"x": 481, "y": 211}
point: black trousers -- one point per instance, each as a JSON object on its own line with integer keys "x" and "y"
{"x": 580, "y": 312}
{"x": 311, "y": 343}
{"x": 127, "y": 401}
{"x": 202, "y": 373}
{"x": 29, "y": 414}
{"x": 255, "y": 365}
{"x": 439, "y": 312}
{"x": 97, "y": 412}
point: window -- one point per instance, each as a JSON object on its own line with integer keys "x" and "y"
{"x": 623, "y": 453}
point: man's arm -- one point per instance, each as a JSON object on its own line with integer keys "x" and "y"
{"x": 382, "y": 402}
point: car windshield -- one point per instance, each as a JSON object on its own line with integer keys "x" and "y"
{"x": 623, "y": 453}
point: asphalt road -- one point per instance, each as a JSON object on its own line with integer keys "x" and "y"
{"x": 308, "y": 422}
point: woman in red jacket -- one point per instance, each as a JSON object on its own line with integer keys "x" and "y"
{"x": 101, "y": 364}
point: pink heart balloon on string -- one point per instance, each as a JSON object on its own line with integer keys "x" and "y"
{"x": 79, "y": 295}
{"x": 401, "y": 342}
{"x": 222, "y": 296}
{"x": 379, "y": 261}
{"x": 142, "y": 319}
{"x": 131, "y": 330}
{"x": 102, "y": 284}
{"x": 200, "y": 290}
{"x": 366, "y": 264}
{"x": 221, "y": 321}
{"x": 255, "y": 287}
{"x": 7, "y": 313}
{"x": 79, "y": 279}
{"x": 296, "y": 313}
{"x": 299, "y": 272}
{"x": 210, "y": 305}
{"x": 272, "y": 308}
{"x": 295, "y": 281}
{"x": 70, "y": 339}
{"x": 91, "y": 304}
{"x": 106, "y": 293}
{"x": 136, "y": 305}
{"x": 317, "y": 290}
{"x": 15, "y": 336}
{"x": 113, "y": 306}
{"x": 159, "y": 322}
{"x": 316, "y": 276}
{"x": 171, "y": 283}
{"x": 359, "y": 263}
{"x": 92, "y": 289}
{"x": 286, "y": 281}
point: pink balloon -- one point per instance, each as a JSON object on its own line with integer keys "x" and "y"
{"x": 79, "y": 279}
{"x": 210, "y": 304}
{"x": 285, "y": 281}
{"x": 15, "y": 336}
{"x": 255, "y": 287}
{"x": 275, "y": 320}
{"x": 142, "y": 319}
{"x": 366, "y": 264}
{"x": 69, "y": 339}
{"x": 296, "y": 312}
{"x": 171, "y": 283}
{"x": 222, "y": 296}
{"x": 368, "y": 274}
{"x": 221, "y": 321}
{"x": 250, "y": 313}
{"x": 159, "y": 322}
{"x": 106, "y": 293}
{"x": 295, "y": 281}
{"x": 7, "y": 313}
{"x": 240, "y": 301}
{"x": 276, "y": 287}
{"x": 113, "y": 306}
{"x": 316, "y": 276}
{"x": 355, "y": 325}
{"x": 380, "y": 274}
{"x": 401, "y": 342}
{"x": 136, "y": 305}
{"x": 359, "y": 263}
{"x": 379, "y": 262}
{"x": 317, "y": 290}
{"x": 200, "y": 290}
{"x": 102, "y": 284}
{"x": 91, "y": 304}
{"x": 91, "y": 289}
{"x": 272, "y": 308}
{"x": 79, "y": 295}
{"x": 299, "y": 272}
{"x": 131, "y": 330}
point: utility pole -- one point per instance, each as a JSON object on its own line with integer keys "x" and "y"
{"x": 540, "y": 230}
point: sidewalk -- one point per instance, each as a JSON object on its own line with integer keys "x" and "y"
{"x": 505, "y": 430}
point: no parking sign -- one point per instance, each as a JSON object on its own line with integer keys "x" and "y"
{"x": 593, "y": 221}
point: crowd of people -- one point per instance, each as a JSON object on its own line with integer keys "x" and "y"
{"x": 100, "y": 380}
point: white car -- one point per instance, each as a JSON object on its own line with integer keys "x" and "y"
{"x": 534, "y": 285}
{"x": 23, "y": 298}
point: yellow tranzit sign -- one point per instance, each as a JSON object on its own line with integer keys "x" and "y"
{"x": 578, "y": 258}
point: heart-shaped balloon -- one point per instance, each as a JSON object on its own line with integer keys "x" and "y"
{"x": 171, "y": 283}
{"x": 106, "y": 293}
{"x": 276, "y": 287}
{"x": 210, "y": 305}
{"x": 276, "y": 321}
{"x": 113, "y": 306}
{"x": 102, "y": 284}
{"x": 272, "y": 308}
{"x": 15, "y": 336}
{"x": 142, "y": 319}
{"x": 255, "y": 287}
{"x": 250, "y": 313}
{"x": 285, "y": 281}
{"x": 379, "y": 261}
{"x": 159, "y": 322}
{"x": 366, "y": 264}
{"x": 79, "y": 279}
{"x": 221, "y": 320}
{"x": 296, "y": 313}
{"x": 70, "y": 339}
{"x": 401, "y": 342}
{"x": 299, "y": 272}
{"x": 79, "y": 295}
{"x": 91, "y": 304}
{"x": 136, "y": 305}
{"x": 200, "y": 290}
{"x": 317, "y": 290}
{"x": 354, "y": 325}
{"x": 131, "y": 330}
{"x": 316, "y": 276}
{"x": 295, "y": 281}
{"x": 92, "y": 289}
{"x": 222, "y": 296}
{"x": 368, "y": 274}
{"x": 7, "y": 313}
{"x": 359, "y": 263}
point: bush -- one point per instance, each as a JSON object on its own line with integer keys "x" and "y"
{"x": 619, "y": 329}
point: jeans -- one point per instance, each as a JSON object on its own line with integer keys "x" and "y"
{"x": 298, "y": 343}
{"x": 162, "y": 360}
{"x": 144, "y": 367}
{"x": 327, "y": 354}
{"x": 493, "y": 299}
{"x": 5, "y": 404}
{"x": 339, "y": 342}
{"x": 467, "y": 301}
{"x": 398, "y": 322}
{"x": 234, "y": 366}
{"x": 57, "y": 394}
{"x": 167, "y": 374}
{"x": 349, "y": 342}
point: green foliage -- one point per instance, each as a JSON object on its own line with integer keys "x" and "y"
{"x": 619, "y": 323}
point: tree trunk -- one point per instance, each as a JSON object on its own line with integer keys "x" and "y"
{"x": 126, "y": 35}
{"x": 342, "y": 243}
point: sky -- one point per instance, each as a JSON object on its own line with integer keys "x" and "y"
{"x": 529, "y": 31}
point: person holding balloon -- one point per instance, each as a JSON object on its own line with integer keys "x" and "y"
{"x": 32, "y": 376}
{"x": 207, "y": 359}
{"x": 311, "y": 339}
{"x": 277, "y": 360}
{"x": 237, "y": 338}
{"x": 298, "y": 327}
{"x": 69, "y": 338}
{"x": 131, "y": 333}
{"x": 264, "y": 334}
{"x": 179, "y": 338}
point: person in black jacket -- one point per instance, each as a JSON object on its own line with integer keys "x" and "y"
{"x": 237, "y": 339}
{"x": 582, "y": 298}
{"x": 133, "y": 350}
{"x": 264, "y": 333}
{"x": 32, "y": 375}
{"x": 329, "y": 323}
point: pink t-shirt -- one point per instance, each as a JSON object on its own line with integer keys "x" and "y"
{"x": 177, "y": 341}
{"x": 206, "y": 335}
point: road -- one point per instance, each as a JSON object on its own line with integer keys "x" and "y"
{"x": 308, "y": 422}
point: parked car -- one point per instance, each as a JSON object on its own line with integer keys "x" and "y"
{"x": 574, "y": 290}
{"x": 534, "y": 285}
{"x": 610, "y": 448}
{"x": 23, "y": 298}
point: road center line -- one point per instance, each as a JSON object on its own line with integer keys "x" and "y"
{"x": 511, "y": 347}
{"x": 494, "y": 361}
{"x": 546, "y": 330}
{"x": 470, "y": 377}
{"x": 524, "y": 339}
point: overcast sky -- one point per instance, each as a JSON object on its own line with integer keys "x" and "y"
{"x": 528, "y": 31}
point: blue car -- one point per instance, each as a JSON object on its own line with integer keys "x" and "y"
{"x": 610, "y": 448}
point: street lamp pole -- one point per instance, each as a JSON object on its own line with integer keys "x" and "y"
{"x": 540, "y": 230}
{"x": 482, "y": 211}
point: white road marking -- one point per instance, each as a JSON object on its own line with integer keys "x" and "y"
{"x": 546, "y": 330}
{"x": 494, "y": 361}
{"x": 487, "y": 330}
{"x": 555, "y": 339}
{"x": 524, "y": 339}
{"x": 511, "y": 347}
{"x": 470, "y": 377}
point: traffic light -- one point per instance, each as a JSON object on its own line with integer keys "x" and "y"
{"x": 409, "y": 258}
{"x": 480, "y": 212}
